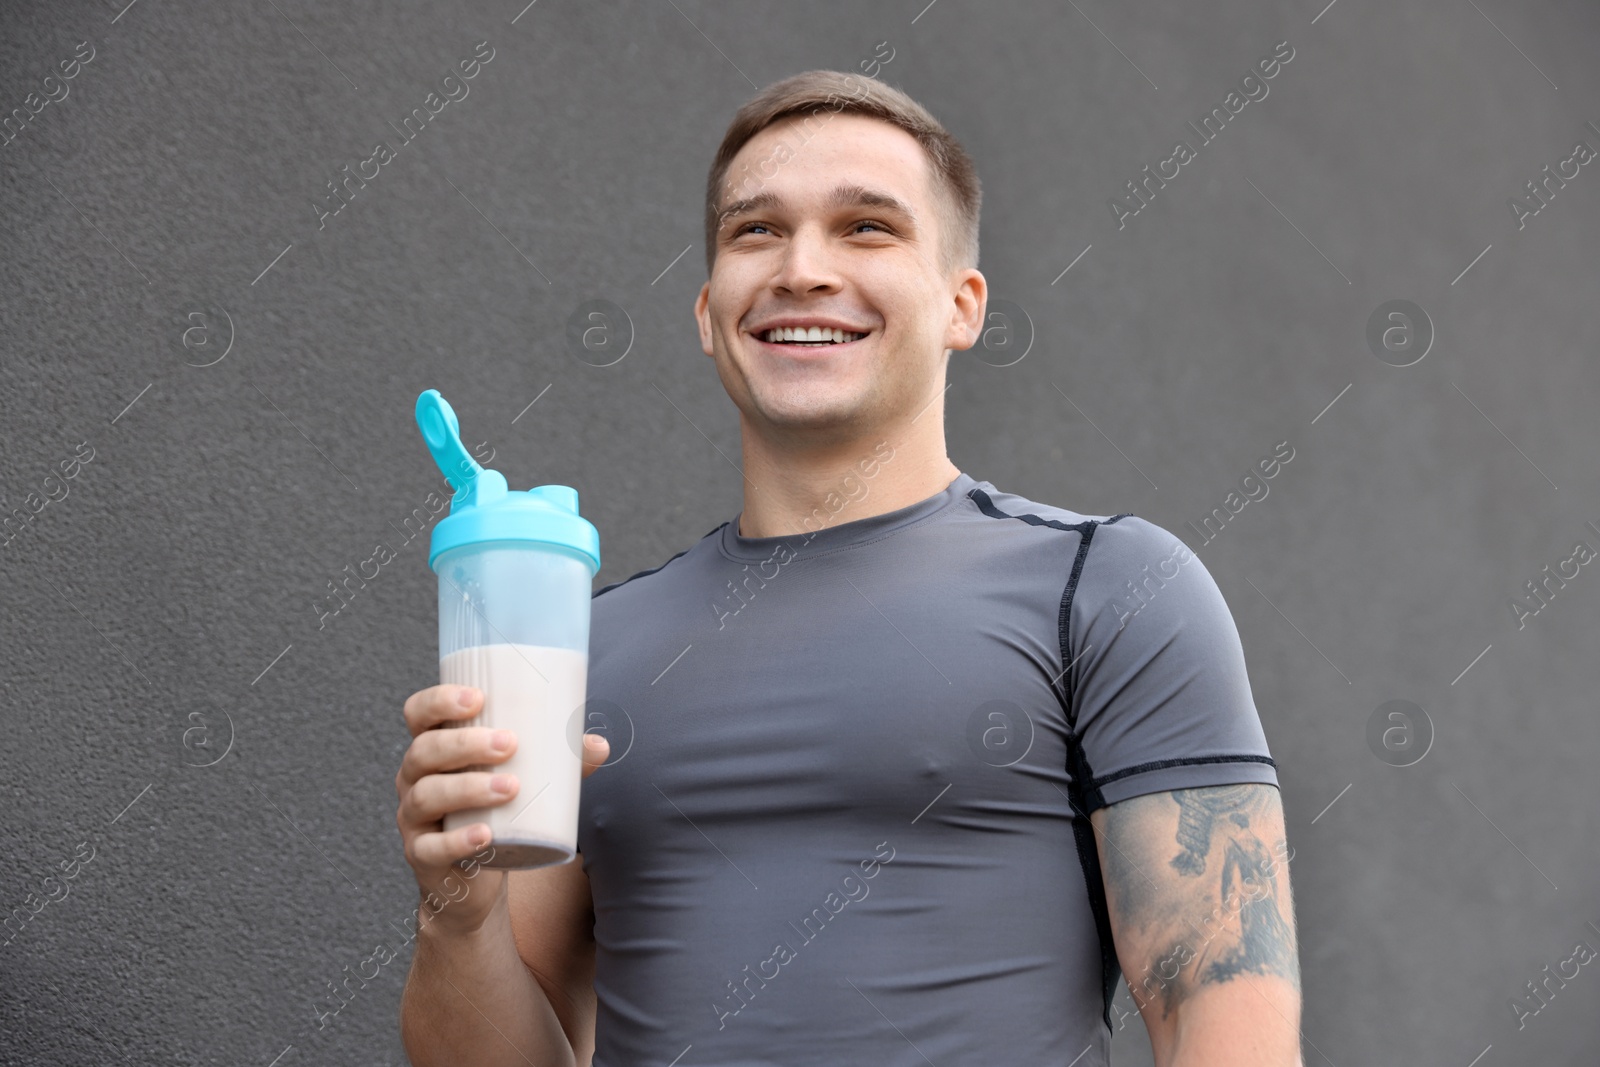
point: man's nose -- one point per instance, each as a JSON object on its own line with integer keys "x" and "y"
{"x": 807, "y": 264}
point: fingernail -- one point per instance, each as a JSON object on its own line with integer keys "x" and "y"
{"x": 503, "y": 739}
{"x": 466, "y": 697}
{"x": 501, "y": 783}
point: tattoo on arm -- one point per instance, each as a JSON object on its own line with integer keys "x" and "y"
{"x": 1192, "y": 881}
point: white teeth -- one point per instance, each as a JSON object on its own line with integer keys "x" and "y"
{"x": 809, "y": 334}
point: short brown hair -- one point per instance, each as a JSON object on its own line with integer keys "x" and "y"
{"x": 954, "y": 176}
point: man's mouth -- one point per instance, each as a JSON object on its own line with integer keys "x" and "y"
{"x": 809, "y": 337}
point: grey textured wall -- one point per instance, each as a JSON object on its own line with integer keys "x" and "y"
{"x": 241, "y": 380}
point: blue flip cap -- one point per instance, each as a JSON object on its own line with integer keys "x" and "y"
{"x": 483, "y": 509}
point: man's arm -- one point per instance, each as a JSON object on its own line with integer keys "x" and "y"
{"x": 503, "y": 972}
{"x": 469, "y": 998}
{"x": 1197, "y": 886}
{"x": 552, "y": 920}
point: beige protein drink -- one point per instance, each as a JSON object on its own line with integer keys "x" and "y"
{"x": 536, "y": 692}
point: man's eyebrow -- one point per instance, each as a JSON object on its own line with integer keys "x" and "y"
{"x": 842, "y": 196}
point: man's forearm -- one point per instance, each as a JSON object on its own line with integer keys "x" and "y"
{"x": 469, "y": 999}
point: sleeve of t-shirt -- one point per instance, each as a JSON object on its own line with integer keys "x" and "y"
{"x": 1160, "y": 698}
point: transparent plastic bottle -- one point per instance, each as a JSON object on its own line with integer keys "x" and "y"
{"x": 515, "y": 570}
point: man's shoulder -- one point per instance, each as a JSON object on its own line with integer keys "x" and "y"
{"x": 640, "y": 582}
{"x": 999, "y": 504}
{"x": 1114, "y": 547}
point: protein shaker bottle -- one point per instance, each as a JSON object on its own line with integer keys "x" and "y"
{"x": 515, "y": 569}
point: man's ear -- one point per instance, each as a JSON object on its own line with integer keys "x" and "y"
{"x": 971, "y": 299}
{"x": 703, "y": 318}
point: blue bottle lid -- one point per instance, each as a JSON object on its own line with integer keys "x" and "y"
{"x": 483, "y": 509}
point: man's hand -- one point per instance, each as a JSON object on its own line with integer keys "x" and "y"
{"x": 1197, "y": 886}
{"x": 432, "y": 782}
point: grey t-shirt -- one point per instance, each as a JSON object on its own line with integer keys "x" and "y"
{"x": 845, "y": 817}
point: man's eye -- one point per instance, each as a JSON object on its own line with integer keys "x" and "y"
{"x": 750, "y": 226}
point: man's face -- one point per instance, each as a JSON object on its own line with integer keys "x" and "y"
{"x": 807, "y": 253}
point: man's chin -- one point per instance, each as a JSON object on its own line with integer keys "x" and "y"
{"x": 809, "y": 420}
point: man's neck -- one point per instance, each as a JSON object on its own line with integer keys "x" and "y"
{"x": 789, "y": 494}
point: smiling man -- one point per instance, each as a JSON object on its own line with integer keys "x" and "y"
{"x": 941, "y": 764}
